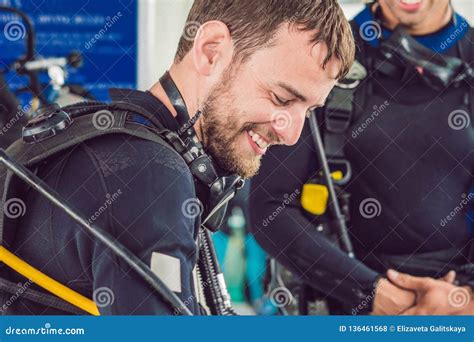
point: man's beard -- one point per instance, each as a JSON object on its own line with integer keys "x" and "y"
{"x": 221, "y": 129}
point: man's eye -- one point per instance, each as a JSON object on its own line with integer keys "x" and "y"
{"x": 279, "y": 101}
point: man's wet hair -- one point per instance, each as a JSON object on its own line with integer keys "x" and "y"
{"x": 253, "y": 24}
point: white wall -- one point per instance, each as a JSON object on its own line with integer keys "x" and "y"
{"x": 161, "y": 23}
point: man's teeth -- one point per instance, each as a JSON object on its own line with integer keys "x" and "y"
{"x": 258, "y": 140}
{"x": 411, "y": 2}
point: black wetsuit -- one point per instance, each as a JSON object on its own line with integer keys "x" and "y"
{"x": 408, "y": 159}
{"x": 135, "y": 189}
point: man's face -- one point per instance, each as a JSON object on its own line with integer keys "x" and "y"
{"x": 414, "y": 13}
{"x": 264, "y": 101}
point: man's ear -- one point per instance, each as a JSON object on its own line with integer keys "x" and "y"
{"x": 213, "y": 49}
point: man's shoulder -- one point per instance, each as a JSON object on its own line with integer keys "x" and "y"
{"x": 144, "y": 176}
{"x": 117, "y": 152}
{"x": 119, "y": 156}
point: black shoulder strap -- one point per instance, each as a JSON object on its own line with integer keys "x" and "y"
{"x": 93, "y": 119}
{"x": 340, "y": 112}
{"x": 175, "y": 97}
{"x": 85, "y": 108}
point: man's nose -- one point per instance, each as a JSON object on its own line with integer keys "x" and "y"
{"x": 288, "y": 125}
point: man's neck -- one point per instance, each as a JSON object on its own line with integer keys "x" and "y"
{"x": 435, "y": 22}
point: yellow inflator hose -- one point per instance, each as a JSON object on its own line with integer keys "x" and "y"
{"x": 47, "y": 283}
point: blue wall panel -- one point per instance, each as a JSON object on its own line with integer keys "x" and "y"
{"x": 104, "y": 31}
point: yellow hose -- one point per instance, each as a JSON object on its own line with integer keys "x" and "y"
{"x": 47, "y": 283}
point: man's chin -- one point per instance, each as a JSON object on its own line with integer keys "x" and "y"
{"x": 244, "y": 167}
{"x": 249, "y": 171}
{"x": 235, "y": 158}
